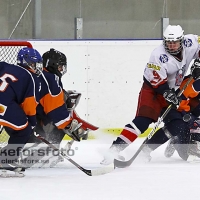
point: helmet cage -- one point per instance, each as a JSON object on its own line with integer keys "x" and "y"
{"x": 171, "y": 51}
{"x": 64, "y": 69}
{"x": 36, "y": 67}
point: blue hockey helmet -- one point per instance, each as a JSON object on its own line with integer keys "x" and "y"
{"x": 31, "y": 59}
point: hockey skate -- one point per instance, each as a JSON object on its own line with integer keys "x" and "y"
{"x": 146, "y": 151}
{"x": 170, "y": 149}
{"x": 35, "y": 160}
{"x": 55, "y": 162}
{"x": 8, "y": 169}
{"x": 193, "y": 151}
{"x": 111, "y": 154}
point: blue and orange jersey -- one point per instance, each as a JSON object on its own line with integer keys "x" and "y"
{"x": 190, "y": 92}
{"x": 19, "y": 96}
{"x": 52, "y": 106}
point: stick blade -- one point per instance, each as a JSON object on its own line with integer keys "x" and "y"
{"x": 103, "y": 170}
{"x": 122, "y": 164}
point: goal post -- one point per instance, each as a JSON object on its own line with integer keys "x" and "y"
{"x": 8, "y": 53}
{"x": 9, "y": 50}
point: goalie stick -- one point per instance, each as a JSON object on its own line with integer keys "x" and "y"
{"x": 95, "y": 172}
{"x": 123, "y": 164}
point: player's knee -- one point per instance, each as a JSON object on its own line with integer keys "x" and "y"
{"x": 178, "y": 127}
{"x": 142, "y": 123}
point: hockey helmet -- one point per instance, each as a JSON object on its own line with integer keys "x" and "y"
{"x": 173, "y": 33}
{"x": 55, "y": 62}
{"x": 31, "y": 59}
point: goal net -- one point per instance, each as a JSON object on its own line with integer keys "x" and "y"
{"x": 8, "y": 53}
{"x": 10, "y": 49}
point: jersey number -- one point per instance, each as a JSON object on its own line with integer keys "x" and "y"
{"x": 4, "y": 84}
{"x": 156, "y": 79}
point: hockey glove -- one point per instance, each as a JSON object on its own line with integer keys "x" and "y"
{"x": 74, "y": 130}
{"x": 190, "y": 119}
{"x": 71, "y": 99}
{"x": 171, "y": 98}
{"x": 195, "y": 69}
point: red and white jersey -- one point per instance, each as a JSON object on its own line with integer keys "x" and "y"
{"x": 163, "y": 67}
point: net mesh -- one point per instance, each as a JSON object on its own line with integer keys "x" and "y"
{"x": 8, "y": 57}
{"x": 8, "y": 53}
{"x": 10, "y": 49}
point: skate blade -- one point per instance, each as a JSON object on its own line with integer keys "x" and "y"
{"x": 109, "y": 161}
{"x": 193, "y": 159}
{"x": 5, "y": 174}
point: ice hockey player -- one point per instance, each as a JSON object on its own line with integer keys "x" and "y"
{"x": 193, "y": 118}
{"x": 163, "y": 75}
{"x": 182, "y": 139}
{"x": 19, "y": 96}
{"x": 55, "y": 112}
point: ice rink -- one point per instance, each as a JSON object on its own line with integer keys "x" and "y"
{"x": 160, "y": 179}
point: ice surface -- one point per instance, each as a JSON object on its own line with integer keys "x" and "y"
{"x": 161, "y": 179}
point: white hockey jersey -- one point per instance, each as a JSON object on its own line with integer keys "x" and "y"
{"x": 163, "y": 67}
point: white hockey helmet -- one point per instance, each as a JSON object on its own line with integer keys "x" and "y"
{"x": 173, "y": 33}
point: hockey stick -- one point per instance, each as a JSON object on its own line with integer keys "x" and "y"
{"x": 4, "y": 137}
{"x": 95, "y": 172}
{"x": 123, "y": 164}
